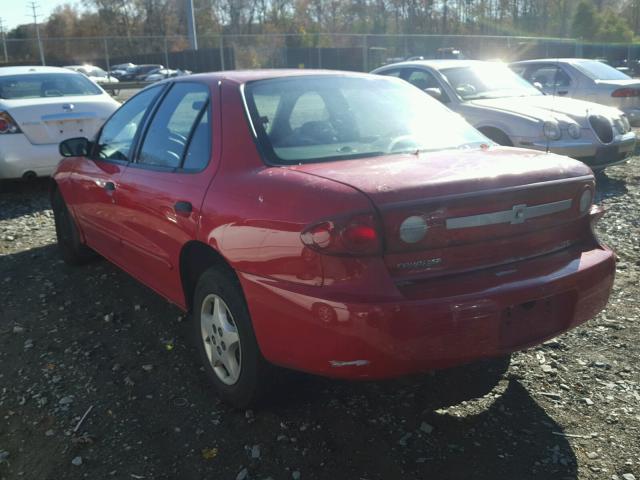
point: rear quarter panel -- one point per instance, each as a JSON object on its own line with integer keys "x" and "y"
{"x": 253, "y": 213}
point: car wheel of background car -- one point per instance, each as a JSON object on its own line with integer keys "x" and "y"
{"x": 225, "y": 340}
{"x": 73, "y": 251}
{"x": 497, "y": 136}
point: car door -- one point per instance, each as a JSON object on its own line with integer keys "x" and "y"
{"x": 553, "y": 79}
{"x": 96, "y": 177}
{"x": 161, "y": 191}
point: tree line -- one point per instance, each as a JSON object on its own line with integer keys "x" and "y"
{"x": 591, "y": 20}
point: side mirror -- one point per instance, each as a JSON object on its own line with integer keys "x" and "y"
{"x": 74, "y": 147}
{"x": 435, "y": 92}
{"x": 538, "y": 85}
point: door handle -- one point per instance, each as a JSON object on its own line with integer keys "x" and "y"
{"x": 563, "y": 92}
{"x": 109, "y": 186}
{"x": 183, "y": 208}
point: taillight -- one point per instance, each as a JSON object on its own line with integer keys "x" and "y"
{"x": 8, "y": 124}
{"x": 356, "y": 234}
{"x": 626, "y": 92}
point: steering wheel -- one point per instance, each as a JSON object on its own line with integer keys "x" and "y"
{"x": 410, "y": 140}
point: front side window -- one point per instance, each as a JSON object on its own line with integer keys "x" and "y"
{"x": 350, "y": 117}
{"x": 173, "y": 124}
{"x": 43, "y": 85}
{"x": 487, "y": 81}
{"x": 117, "y": 135}
{"x": 549, "y": 76}
{"x": 422, "y": 79}
{"x": 199, "y": 149}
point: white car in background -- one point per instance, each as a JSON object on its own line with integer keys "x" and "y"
{"x": 162, "y": 73}
{"x": 510, "y": 111}
{"x": 584, "y": 79}
{"x": 39, "y": 108}
{"x": 94, "y": 73}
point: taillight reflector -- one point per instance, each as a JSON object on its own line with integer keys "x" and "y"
{"x": 356, "y": 234}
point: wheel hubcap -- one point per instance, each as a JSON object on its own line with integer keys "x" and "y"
{"x": 220, "y": 339}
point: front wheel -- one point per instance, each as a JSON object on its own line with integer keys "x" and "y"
{"x": 73, "y": 251}
{"x": 225, "y": 340}
{"x": 497, "y": 136}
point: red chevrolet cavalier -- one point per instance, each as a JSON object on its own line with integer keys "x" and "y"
{"x": 341, "y": 224}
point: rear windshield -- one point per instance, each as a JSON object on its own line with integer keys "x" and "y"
{"x": 600, "y": 71}
{"x": 39, "y": 85}
{"x": 322, "y": 118}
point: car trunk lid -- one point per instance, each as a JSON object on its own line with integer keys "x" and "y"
{"x": 52, "y": 120}
{"x": 481, "y": 207}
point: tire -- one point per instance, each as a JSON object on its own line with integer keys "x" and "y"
{"x": 73, "y": 251}
{"x": 497, "y": 136}
{"x": 229, "y": 352}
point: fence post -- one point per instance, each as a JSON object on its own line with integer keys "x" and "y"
{"x": 106, "y": 53}
{"x": 4, "y": 42}
{"x": 221, "y": 48}
{"x": 365, "y": 54}
{"x": 166, "y": 53}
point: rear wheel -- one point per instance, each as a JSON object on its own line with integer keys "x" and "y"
{"x": 225, "y": 340}
{"x": 73, "y": 251}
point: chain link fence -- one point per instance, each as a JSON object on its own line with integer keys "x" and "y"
{"x": 335, "y": 51}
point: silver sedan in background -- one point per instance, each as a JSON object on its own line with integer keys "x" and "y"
{"x": 510, "y": 111}
{"x": 584, "y": 79}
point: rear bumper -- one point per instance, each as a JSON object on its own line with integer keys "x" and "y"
{"x": 430, "y": 325}
{"x": 19, "y": 156}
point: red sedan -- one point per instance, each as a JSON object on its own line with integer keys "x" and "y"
{"x": 341, "y": 224}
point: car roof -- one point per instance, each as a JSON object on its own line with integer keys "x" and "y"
{"x": 33, "y": 69}
{"x": 244, "y": 76}
{"x": 438, "y": 64}
{"x": 561, "y": 60}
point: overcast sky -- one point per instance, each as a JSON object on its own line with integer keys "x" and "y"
{"x": 19, "y": 11}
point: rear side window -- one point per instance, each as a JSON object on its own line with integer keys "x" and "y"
{"x": 179, "y": 121}
{"x": 392, "y": 73}
{"x": 42, "y": 85}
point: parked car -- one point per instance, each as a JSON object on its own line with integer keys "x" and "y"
{"x": 510, "y": 111}
{"x": 120, "y": 69}
{"x": 41, "y": 106}
{"x": 351, "y": 226}
{"x": 584, "y": 79}
{"x": 162, "y": 73}
{"x": 449, "y": 53}
{"x": 94, "y": 73}
{"x": 138, "y": 73}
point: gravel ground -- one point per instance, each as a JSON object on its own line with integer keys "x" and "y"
{"x": 97, "y": 381}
